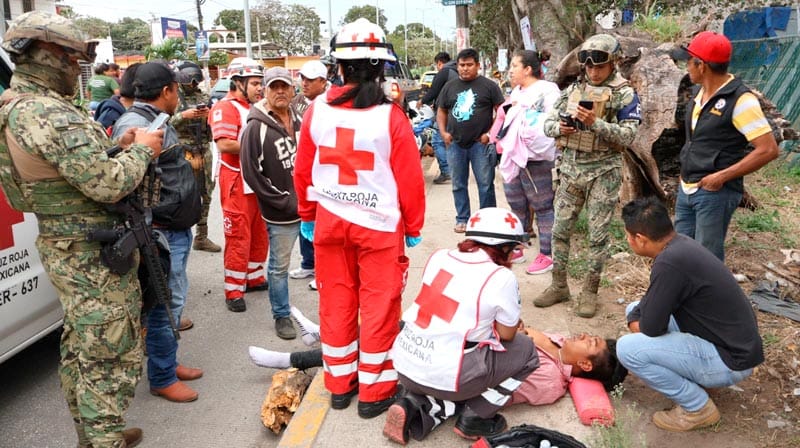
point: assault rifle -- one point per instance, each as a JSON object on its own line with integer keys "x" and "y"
{"x": 137, "y": 233}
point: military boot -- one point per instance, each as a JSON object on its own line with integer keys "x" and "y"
{"x": 557, "y": 292}
{"x": 201, "y": 241}
{"x": 587, "y": 299}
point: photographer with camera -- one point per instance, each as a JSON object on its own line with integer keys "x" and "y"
{"x": 593, "y": 121}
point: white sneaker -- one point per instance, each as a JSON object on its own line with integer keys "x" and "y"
{"x": 309, "y": 330}
{"x": 312, "y": 285}
{"x": 301, "y": 273}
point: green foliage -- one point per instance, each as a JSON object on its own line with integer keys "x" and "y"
{"x": 168, "y": 50}
{"x": 761, "y": 220}
{"x": 622, "y": 434}
{"x": 769, "y": 339}
{"x": 130, "y": 35}
{"x": 294, "y": 29}
{"x": 661, "y": 27}
{"x": 367, "y": 12}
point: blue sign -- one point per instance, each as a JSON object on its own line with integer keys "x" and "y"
{"x": 201, "y": 46}
{"x": 457, "y": 2}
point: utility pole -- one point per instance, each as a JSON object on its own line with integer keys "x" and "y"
{"x": 248, "y": 39}
{"x": 206, "y": 74}
{"x": 462, "y": 27}
{"x": 199, "y": 14}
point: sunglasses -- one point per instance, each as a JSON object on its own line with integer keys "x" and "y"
{"x": 595, "y": 57}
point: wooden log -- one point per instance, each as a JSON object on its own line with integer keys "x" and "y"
{"x": 283, "y": 398}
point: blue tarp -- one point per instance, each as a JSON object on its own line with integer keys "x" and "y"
{"x": 757, "y": 23}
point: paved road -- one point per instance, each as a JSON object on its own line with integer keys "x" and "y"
{"x": 34, "y": 414}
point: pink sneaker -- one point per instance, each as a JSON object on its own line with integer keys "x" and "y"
{"x": 517, "y": 256}
{"x": 540, "y": 265}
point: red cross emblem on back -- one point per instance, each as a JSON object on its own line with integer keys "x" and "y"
{"x": 433, "y": 302}
{"x": 346, "y": 157}
{"x": 10, "y": 217}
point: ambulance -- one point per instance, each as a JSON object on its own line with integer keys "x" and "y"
{"x": 29, "y": 306}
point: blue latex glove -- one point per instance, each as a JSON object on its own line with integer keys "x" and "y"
{"x": 412, "y": 241}
{"x": 307, "y": 230}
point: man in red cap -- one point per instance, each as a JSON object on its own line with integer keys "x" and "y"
{"x": 722, "y": 118}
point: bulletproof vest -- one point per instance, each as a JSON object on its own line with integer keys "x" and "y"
{"x": 586, "y": 140}
{"x": 61, "y": 209}
{"x": 193, "y": 132}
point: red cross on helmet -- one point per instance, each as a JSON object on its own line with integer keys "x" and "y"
{"x": 244, "y": 68}
{"x": 494, "y": 226}
{"x": 362, "y": 39}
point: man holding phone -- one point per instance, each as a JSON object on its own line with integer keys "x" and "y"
{"x": 596, "y": 119}
{"x": 191, "y": 122}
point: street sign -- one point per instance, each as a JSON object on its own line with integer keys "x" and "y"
{"x": 458, "y": 2}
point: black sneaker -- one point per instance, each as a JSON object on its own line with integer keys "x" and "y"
{"x": 398, "y": 421}
{"x": 372, "y": 409}
{"x": 236, "y": 305}
{"x": 442, "y": 179}
{"x": 342, "y": 401}
{"x": 474, "y": 427}
{"x": 284, "y": 328}
{"x": 262, "y": 287}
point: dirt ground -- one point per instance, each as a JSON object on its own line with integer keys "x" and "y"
{"x": 762, "y": 411}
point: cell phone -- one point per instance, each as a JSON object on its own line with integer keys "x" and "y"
{"x": 586, "y": 104}
{"x": 159, "y": 122}
{"x": 567, "y": 119}
{"x": 201, "y": 106}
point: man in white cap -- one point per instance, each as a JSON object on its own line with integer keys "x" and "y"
{"x": 314, "y": 82}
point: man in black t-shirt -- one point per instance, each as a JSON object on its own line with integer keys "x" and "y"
{"x": 693, "y": 329}
{"x": 465, "y": 113}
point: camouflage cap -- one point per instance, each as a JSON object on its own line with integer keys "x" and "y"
{"x": 45, "y": 27}
{"x": 602, "y": 42}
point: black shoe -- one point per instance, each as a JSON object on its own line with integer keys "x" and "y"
{"x": 342, "y": 401}
{"x": 398, "y": 420}
{"x": 473, "y": 428}
{"x": 236, "y": 305}
{"x": 262, "y": 287}
{"x": 442, "y": 179}
{"x": 284, "y": 328}
{"x": 372, "y": 409}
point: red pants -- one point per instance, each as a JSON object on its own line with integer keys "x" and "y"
{"x": 358, "y": 271}
{"x": 246, "y": 241}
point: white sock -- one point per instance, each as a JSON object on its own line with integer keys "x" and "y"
{"x": 268, "y": 358}
{"x": 309, "y": 331}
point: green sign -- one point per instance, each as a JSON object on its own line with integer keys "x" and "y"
{"x": 457, "y": 2}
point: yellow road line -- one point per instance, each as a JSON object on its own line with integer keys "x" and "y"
{"x": 307, "y": 420}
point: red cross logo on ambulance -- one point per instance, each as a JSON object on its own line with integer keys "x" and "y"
{"x": 10, "y": 216}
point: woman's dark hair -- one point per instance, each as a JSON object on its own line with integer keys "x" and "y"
{"x": 543, "y": 55}
{"x": 498, "y": 254}
{"x": 606, "y": 368}
{"x": 367, "y": 77}
{"x": 648, "y": 217}
{"x": 101, "y": 68}
{"x": 530, "y": 59}
{"x": 126, "y": 88}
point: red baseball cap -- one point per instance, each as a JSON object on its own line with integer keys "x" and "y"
{"x": 709, "y": 46}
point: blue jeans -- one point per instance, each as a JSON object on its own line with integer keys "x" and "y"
{"x": 483, "y": 159}
{"x": 162, "y": 347}
{"x": 306, "y": 253}
{"x": 281, "y": 243}
{"x": 705, "y": 216}
{"x": 679, "y": 365}
{"x": 439, "y": 150}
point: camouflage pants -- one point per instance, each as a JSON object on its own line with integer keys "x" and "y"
{"x": 599, "y": 192}
{"x": 205, "y": 179}
{"x": 101, "y": 350}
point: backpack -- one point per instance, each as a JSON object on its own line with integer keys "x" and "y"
{"x": 107, "y": 113}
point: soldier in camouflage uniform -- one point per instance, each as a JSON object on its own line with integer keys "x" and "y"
{"x": 606, "y": 112}
{"x": 191, "y": 123}
{"x": 53, "y": 162}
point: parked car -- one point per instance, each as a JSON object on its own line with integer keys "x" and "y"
{"x": 399, "y": 79}
{"x": 220, "y": 89}
{"x": 29, "y": 305}
{"x": 425, "y": 82}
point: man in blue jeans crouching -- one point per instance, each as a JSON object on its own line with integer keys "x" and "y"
{"x": 693, "y": 329}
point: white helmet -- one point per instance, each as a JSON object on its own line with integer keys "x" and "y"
{"x": 426, "y": 112}
{"x": 494, "y": 226}
{"x": 362, "y": 39}
{"x": 244, "y": 68}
